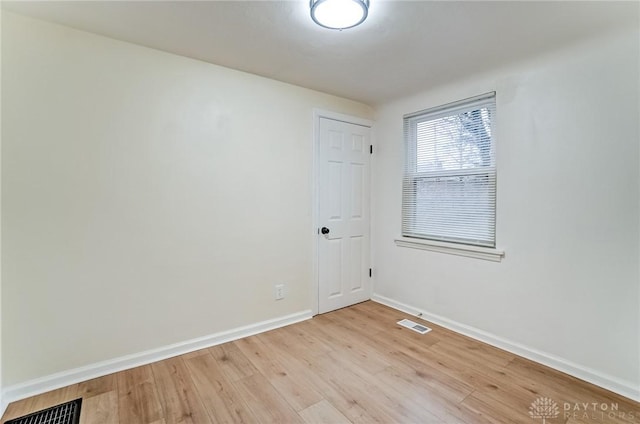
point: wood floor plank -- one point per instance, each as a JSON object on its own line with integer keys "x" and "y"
{"x": 97, "y": 386}
{"x": 385, "y": 314}
{"x": 581, "y": 391}
{"x": 296, "y": 391}
{"x": 195, "y": 353}
{"x": 452, "y": 384}
{"x": 396, "y": 348}
{"x": 323, "y": 413}
{"x": 221, "y": 400}
{"x": 368, "y": 322}
{"x": 305, "y": 339}
{"x": 467, "y": 375}
{"x": 496, "y": 414}
{"x": 351, "y": 344}
{"x": 233, "y": 363}
{"x": 138, "y": 401}
{"x": 265, "y": 402}
{"x": 100, "y": 409}
{"x": 373, "y": 396}
{"x": 341, "y": 397}
{"x": 563, "y": 389}
{"x": 179, "y": 399}
{"x": 481, "y": 350}
{"x": 356, "y": 324}
{"x": 352, "y": 365}
{"x": 477, "y": 356}
{"x": 415, "y": 387}
{"x": 301, "y": 343}
{"x": 17, "y": 409}
{"x": 55, "y": 397}
{"x": 38, "y": 403}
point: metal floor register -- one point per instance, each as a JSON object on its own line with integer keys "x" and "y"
{"x": 66, "y": 413}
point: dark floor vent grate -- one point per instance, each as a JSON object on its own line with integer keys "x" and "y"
{"x": 66, "y": 413}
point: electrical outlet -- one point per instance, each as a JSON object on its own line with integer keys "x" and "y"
{"x": 279, "y": 292}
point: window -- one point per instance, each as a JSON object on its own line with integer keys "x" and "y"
{"x": 449, "y": 184}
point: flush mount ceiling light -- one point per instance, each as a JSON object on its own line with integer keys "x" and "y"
{"x": 339, "y": 14}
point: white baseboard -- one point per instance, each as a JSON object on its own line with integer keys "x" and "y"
{"x": 99, "y": 369}
{"x": 616, "y": 385}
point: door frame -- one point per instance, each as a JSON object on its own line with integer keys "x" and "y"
{"x": 315, "y": 193}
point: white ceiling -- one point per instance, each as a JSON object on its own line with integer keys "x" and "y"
{"x": 403, "y": 46}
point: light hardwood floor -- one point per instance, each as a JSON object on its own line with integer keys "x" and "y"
{"x": 353, "y": 365}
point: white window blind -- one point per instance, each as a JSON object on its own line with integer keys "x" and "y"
{"x": 449, "y": 184}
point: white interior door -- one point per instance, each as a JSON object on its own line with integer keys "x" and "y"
{"x": 343, "y": 171}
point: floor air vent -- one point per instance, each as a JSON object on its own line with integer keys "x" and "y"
{"x": 66, "y": 413}
{"x": 413, "y": 326}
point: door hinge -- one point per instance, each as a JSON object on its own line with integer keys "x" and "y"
{"x": 369, "y": 272}
{"x": 370, "y": 149}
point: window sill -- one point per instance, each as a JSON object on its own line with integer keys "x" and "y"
{"x": 486, "y": 253}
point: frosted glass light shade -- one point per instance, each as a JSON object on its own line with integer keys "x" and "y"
{"x": 339, "y": 14}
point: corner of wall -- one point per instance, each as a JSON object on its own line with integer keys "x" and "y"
{"x": 3, "y": 405}
{"x": 627, "y": 389}
{"x": 65, "y": 378}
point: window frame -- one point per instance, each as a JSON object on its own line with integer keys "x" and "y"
{"x": 442, "y": 243}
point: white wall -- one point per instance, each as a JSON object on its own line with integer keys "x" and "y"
{"x": 147, "y": 198}
{"x": 567, "y": 212}
{"x": 2, "y": 401}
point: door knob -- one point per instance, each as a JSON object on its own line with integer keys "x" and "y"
{"x": 324, "y": 230}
